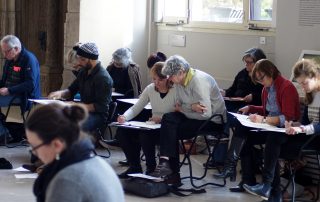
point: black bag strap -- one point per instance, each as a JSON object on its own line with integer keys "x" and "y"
{"x": 178, "y": 191}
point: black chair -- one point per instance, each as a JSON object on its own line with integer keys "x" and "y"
{"x": 25, "y": 106}
{"x": 219, "y": 133}
{"x": 101, "y": 131}
{"x": 290, "y": 153}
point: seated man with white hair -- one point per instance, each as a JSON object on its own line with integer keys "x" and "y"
{"x": 198, "y": 98}
{"x": 20, "y": 76}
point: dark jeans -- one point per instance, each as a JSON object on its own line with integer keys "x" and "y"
{"x": 94, "y": 121}
{"x": 174, "y": 127}
{"x": 131, "y": 142}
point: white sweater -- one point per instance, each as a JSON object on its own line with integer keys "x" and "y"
{"x": 159, "y": 105}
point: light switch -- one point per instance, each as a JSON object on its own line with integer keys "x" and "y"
{"x": 177, "y": 40}
{"x": 262, "y": 40}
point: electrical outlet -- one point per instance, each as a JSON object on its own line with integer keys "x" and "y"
{"x": 262, "y": 40}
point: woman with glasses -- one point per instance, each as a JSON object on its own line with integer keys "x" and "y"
{"x": 72, "y": 172}
{"x": 280, "y": 103}
{"x": 242, "y": 86}
{"x": 307, "y": 74}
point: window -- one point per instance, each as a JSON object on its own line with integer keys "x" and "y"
{"x": 245, "y": 13}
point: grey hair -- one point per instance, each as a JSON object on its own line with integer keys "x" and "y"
{"x": 123, "y": 56}
{"x": 174, "y": 64}
{"x": 12, "y": 41}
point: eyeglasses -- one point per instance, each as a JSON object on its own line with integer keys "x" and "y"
{"x": 247, "y": 62}
{"x": 261, "y": 78}
{"x": 33, "y": 150}
{"x": 7, "y": 51}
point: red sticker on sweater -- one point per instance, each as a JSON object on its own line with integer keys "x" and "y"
{"x": 16, "y": 68}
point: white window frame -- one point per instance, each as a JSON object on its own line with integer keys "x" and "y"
{"x": 176, "y": 20}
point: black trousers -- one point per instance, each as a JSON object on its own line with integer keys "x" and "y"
{"x": 247, "y": 155}
{"x": 174, "y": 127}
{"x": 132, "y": 140}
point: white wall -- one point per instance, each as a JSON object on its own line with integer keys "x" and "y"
{"x": 217, "y": 54}
{"x": 291, "y": 38}
{"x": 220, "y": 54}
{"x": 112, "y": 24}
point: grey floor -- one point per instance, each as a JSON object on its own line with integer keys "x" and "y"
{"x": 17, "y": 190}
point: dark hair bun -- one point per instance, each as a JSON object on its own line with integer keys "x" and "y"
{"x": 156, "y": 57}
{"x": 75, "y": 113}
{"x": 161, "y": 56}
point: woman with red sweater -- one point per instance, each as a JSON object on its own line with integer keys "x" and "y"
{"x": 280, "y": 103}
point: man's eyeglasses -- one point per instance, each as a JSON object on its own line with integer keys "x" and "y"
{"x": 261, "y": 78}
{"x": 33, "y": 150}
{"x": 7, "y": 51}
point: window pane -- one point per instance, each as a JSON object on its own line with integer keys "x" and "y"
{"x": 261, "y": 10}
{"x": 230, "y": 11}
{"x": 176, "y": 8}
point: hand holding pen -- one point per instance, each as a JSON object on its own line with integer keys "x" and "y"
{"x": 121, "y": 119}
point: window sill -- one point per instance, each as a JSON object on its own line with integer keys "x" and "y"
{"x": 221, "y": 29}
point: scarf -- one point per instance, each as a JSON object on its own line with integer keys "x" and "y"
{"x": 77, "y": 152}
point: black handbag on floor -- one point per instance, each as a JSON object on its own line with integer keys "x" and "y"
{"x": 150, "y": 189}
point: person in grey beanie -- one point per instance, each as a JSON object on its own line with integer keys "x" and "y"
{"x": 125, "y": 73}
{"x": 93, "y": 83}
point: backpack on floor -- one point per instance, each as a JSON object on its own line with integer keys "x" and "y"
{"x": 151, "y": 189}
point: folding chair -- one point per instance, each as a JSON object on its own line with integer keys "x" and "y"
{"x": 290, "y": 153}
{"x": 25, "y": 106}
{"x": 219, "y": 133}
{"x": 100, "y": 131}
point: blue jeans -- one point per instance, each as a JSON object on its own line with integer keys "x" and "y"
{"x": 5, "y": 100}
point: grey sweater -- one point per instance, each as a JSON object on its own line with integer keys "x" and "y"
{"x": 90, "y": 180}
{"x": 201, "y": 89}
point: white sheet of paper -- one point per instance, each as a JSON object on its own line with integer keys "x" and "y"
{"x": 26, "y": 176}
{"x": 146, "y": 176}
{"x": 21, "y": 169}
{"x": 243, "y": 119}
{"x": 47, "y": 101}
{"x": 136, "y": 124}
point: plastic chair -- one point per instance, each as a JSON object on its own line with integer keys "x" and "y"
{"x": 291, "y": 153}
{"x": 219, "y": 133}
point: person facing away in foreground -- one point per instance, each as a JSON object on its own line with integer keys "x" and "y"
{"x": 198, "y": 99}
{"x": 72, "y": 172}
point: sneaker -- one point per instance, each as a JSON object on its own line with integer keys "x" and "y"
{"x": 163, "y": 169}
